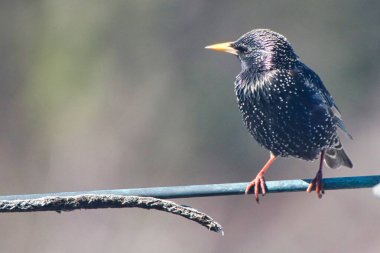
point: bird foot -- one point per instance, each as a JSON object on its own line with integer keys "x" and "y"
{"x": 317, "y": 183}
{"x": 259, "y": 184}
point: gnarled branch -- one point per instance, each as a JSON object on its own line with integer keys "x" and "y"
{"x": 90, "y": 201}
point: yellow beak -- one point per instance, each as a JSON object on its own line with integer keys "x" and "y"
{"x": 223, "y": 47}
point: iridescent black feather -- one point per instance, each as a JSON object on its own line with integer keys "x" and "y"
{"x": 284, "y": 104}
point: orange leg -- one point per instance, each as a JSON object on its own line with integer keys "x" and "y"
{"x": 317, "y": 181}
{"x": 259, "y": 181}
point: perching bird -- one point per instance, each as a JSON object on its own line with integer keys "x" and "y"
{"x": 285, "y": 105}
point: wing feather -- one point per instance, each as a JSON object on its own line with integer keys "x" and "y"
{"x": 315, "y": 81}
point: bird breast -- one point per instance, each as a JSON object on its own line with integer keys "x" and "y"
{"x": 283, "y": 113}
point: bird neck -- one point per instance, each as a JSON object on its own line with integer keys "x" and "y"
{"x": 248, "y": 83}
{"x": 267, "y": 61}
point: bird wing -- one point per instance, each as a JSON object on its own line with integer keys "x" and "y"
{"x": 314, "y": 80}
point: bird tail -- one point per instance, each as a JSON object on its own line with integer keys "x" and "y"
{"x": 336, "y": 157}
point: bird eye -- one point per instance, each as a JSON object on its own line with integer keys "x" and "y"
{"x": 243, "y": 49}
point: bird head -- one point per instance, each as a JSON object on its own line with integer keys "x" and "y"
{"x": 260, "y": 49}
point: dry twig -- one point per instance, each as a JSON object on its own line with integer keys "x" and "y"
{"x": 90, "y": 201}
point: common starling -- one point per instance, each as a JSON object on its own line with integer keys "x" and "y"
{"x": 285, "y": 105}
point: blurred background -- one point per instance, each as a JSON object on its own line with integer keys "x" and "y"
{"x": 121, "y": 94}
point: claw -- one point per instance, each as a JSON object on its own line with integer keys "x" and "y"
{"x": 259, "y": 186}
{"x": 259, "y": 181}
{"x": 317, "y": 182}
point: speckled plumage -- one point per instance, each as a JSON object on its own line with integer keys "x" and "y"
{"x": 284, "y": 104}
